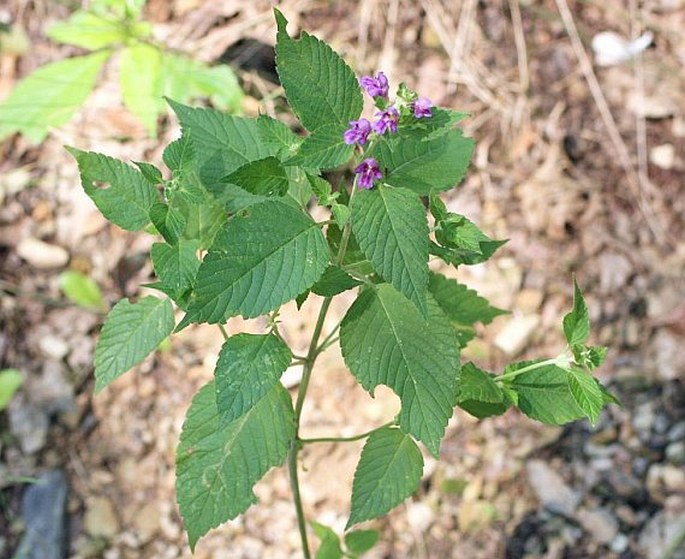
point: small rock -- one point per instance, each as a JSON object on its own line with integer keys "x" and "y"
{"x": 100, "y": 518}
{"x": 677, "y": 432}
{"x": 551, "y": 489}
{"x": 42, "y": 255}
{"x": 28, "y": 423}
{"x": 620, "y": 543}
{"x": 656, "y": 106}
{"x": 146, "y": 522}
{"x": 675, "y": 453}
{"x": 43, "y": 510}
{"x": 661, "y": 533}
{"x": 643, "y": 419}
{"x": 529, "y": 300}
{"x": 665, "y": 478}
{"x": 516, "y": 334}
{"x": 599, "y": 523}
{"x": 663, "y": 156}
{"x": 53, "y": 347}
{"x": 420, "y": 516}
{"x": 668, "y": 355}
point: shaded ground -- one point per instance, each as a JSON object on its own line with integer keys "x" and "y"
{"x": 546, "y": 174}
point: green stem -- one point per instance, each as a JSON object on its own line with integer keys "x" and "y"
{"x": 309, "y": 361}
{"x": 346, "y": 439}
{"x": 223, "y": 331}
{"x": 562, "y": 361}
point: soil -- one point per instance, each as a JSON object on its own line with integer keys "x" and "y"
{"x": 575, "y": 189}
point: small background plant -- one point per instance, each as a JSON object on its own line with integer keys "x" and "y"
{"x": 51, "y": 95}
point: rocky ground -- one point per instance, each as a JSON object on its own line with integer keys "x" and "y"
{"x": 576, "y": 189}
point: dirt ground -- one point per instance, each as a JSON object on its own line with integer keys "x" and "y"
{"x": 581, "y": 167}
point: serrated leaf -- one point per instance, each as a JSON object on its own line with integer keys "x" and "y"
{"x": 479, "y": 394}
{"x": 323, "y": 149}
{"x": 329, "y": 548}
{"x": 334, "y": 281}
{"x": 169, "y": 221}
{"x": 464, "y": 241}
{"x": 389, "y": 470}
{"x": 441, "y": 122}
{"x": 321, "y": 88}
{"x": 222, "y": 143}
{"x": 180, "y": 155}
{"x": 385, "y": 341}
{"x": 131, "y": 332}
{"x": 119, "y": 191}
{"x": 586, "y": 392}
{"x": 544, "y": 394}
{"x": 262, "y": 258}
{"x": 82, "y": 290}
{"x": 50, "y": 96}
{"x": 151, "y": 173}
{"x": 203, "y": 219}
{"x": 425, "y": 166}
{"x": 176, "y": 267}
{"x": 463, "y": 306}
{"x": 140, "y": 75}
{"x": 249, "y": 366}
{"x": 361, "y": 541}
{"x": 391, "y": 228}
{"x": 87, "y": 30}
{"x": 264, "y": 177}
{"x": 577, "y": 322}
{"x": 217, "y": 466}
{"x": 278, "y": 137}
{"x": 10, "y": 381}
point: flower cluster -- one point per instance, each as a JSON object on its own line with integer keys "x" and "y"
{"x": 387, "y": 120}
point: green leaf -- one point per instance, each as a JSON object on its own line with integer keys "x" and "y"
{"x": 203, "y": 219}
{"x": 140, "y": 73}
{"x": 386, "y": 341}
{"x": 88, "y": 30}
{"x": 50, "y": 96}
{"x": 425, "y": 166}
{"x": 185, "y": 79}
{"x": 391, "y": 228}
{"x": 222, "y": 143}
{"x": 180, "y": 155}
{"x": 361, "y": 541}
{"x": 217, "y": 466}
{"x": 249, "y": 366}
{"x": 334, "y": 281}
{"x": 323, "y": 149}
{"x": 479, "y": 394}
{"x": 389, "y": 470}
{"x": 321, "y": 89}
{"x": 544, "y": 394}
{"x": 131, "y": 332}
{"x": 276, "y": 136}
{"x": 169, "y": 221}
{"x": 120, "y": 192}
{"x": 151, "y": 173}
{"x": 176, "y": 267}
{"x": 586, "y": 392}
{"x": 463, "y": 306}
{"x": 82, "y": 290}
{"x": 577, "y": 322}
{"x": 262, "y": 258}
{"x": 442, "y": 121}
{"x": 10, "y": 381}
{"x": 264, "y": 177}
{"x": 329, "y": 548}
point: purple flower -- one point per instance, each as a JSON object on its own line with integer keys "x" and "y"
{"x": 368, "y": 172}
{"x": 376, "y": 87}
{"x": 422, "y": 107}
{"x": 358, "y": 132}
{"x": 387, "y": 120}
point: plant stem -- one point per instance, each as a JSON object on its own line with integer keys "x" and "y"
{"x": 346, "y": 439}
{"x": 562, "y": 361}
{"x": 312, "y": 354}
{"x": 223, "y": 331}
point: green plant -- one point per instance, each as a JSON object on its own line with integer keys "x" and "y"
{"x": 51, "y": 95}
{"x": 10, "y": 381}
{"x": 238, "y": 239}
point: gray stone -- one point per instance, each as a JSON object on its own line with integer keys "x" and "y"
{"x": 620, "y": 543}
{"x": 599, "y": 523}
{"x": 675, "y": 453}
{"x": 28, "y": 423}
{"x": 42, "y": 255}
{"x": 677, "y": 432}
{"x": 661, "y": 534}
{"x": 550, "y": 488}
{"x": 43, "y": 509}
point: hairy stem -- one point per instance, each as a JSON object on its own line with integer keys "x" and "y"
{"x": 562, "y": 361}
{"x": 346, "y": 439}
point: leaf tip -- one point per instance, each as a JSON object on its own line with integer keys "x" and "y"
{"x": 281, "y": 22}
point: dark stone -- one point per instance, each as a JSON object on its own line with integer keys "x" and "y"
{"x": 43, "y": 509}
